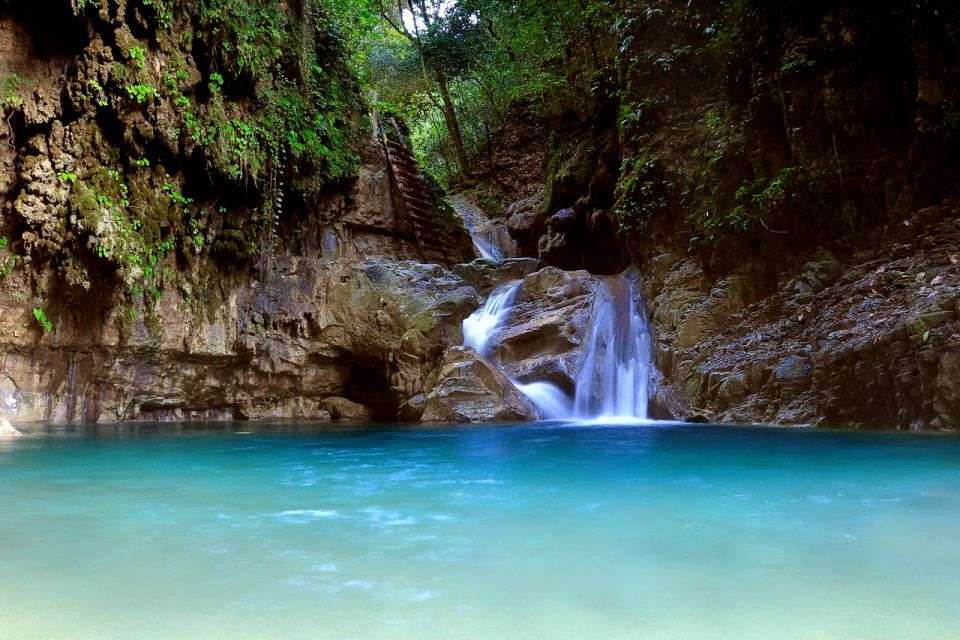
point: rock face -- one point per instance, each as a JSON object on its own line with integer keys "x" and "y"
{"x": 152, "y": 270}
{"x": 280, "y": 347}
{"x": 869, "y": 340}
{"x": 542, "y": 338}
{"x": 467, "y": 388}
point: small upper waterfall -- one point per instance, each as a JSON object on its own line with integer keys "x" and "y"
{"x": 614, "y": 369}
{"x": 490, "y": 237}
{"x": 483, "y": 324}
{"x": 486, "y": 248}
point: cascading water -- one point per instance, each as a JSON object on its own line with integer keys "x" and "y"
{"x": 490, "y": 238}
{"x": 550, "y": 401}
{"x": 614, "y": 369}
{"x": 481, "y": 327}
{"x": 486, "y": 248}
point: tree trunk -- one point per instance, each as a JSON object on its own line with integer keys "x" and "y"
{"x": 453, "y": 125}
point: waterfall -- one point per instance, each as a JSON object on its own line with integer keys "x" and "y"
{"x": 485, "y": 248}
{"x": 551, "y": 402}
{"x": 615, "y": 365}
{"x": 490, "y": 238}
{"x": 484, "y": 323}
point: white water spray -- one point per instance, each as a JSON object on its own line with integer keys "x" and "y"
{"x": 482, "y": 326}
{"x": 486, "y": 248}
{"x": 491, "y": 240}
{"x": 550, "y": 401}
{"x": 614, "y": 369}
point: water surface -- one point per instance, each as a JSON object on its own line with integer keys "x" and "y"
{"x": 537, "y": 531}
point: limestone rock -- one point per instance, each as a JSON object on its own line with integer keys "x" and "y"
{"x": 470, "y": 389}
{"x": 343, "y": 409}
{"x": 7, "y": 430}
{"x": 290, "y": 408}
{"x": 792, "y": 368}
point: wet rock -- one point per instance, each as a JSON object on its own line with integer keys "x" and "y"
{"x": 290, "y": 408}
{"x": 555, "y": 245}
{"x": 412, "y": 409}
{"x": 470, "y": 389}
{"x": 485, "y": 275}
{"x": 526, "y": 223}
{"x": 7, "y": 430}
{"x": 551, "y": 315}
{"x": 792, "y": 368}
{"x": 344, "y": 409}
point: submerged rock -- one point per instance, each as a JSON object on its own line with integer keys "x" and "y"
{"x": 468, "y": 388}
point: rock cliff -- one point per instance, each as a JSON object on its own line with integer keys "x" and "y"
{"x": 174, "y": 243}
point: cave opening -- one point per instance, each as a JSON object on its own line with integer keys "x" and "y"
{"x": 369, "y": 384}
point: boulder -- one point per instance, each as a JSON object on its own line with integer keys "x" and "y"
{"x": 485, "y": 275}
{"x": 412, "y": 409}
{"x": 7, "y": 430}
{"x": 288, "y": 408}
{"x": 470, "y": 389}
{"x": 526, "y": 222}
{"x": 343, "y": 409}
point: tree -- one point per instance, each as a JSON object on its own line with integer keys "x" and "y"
{"x": 423, "y": 23}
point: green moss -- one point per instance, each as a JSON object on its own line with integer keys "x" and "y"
{"x": 7, "y": 259}
{"x": 42, "y": 321}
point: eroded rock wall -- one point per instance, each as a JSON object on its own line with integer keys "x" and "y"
{"x": 182, "y": 238}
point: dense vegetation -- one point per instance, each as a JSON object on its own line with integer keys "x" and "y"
{"x": 736, "y": 119}
{"x": 208, "y": 125}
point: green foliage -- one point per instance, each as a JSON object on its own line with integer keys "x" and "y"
{"x": 492, "y": 54}
{"x": 141, "y": 92}
{"x": 305, "y": 109}
{"x": 97, "y": 94}
{"x": 79, "y": 6}
{"x": 41, "y": 317}
{"x": 795, "y": 62}
{"x": 641, "y": 194}
{"x": 10, "y": 97}
{"x": 216, "y": 81}
{"x": 162, "y": 9}
{"x": 137, "y": 55}
{"x": 120, "y": 231}
{"x": 67, "y": 177}
{"x": 755, "y": 202}
{"x": 713, "y": 120}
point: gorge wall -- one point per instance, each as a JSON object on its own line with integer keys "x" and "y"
{"x": 190, "y": 231}
{"x": 200, "y": 219}
{"x": 784, "y": 176}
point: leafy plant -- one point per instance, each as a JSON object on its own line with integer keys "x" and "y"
{"x": 141, "y": 92}
{"x": 10, "y": 88}
{"x": 137, "y": 55}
